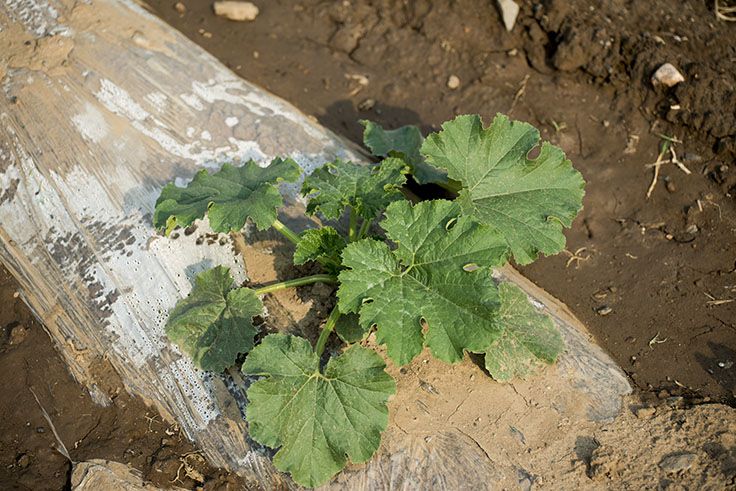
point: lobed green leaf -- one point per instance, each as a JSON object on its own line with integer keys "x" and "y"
{"x": 229, "y": 197}
{"x": 214, "y": 323}
{"x": 323, "y": 244}
{"x": 404, "y": 142}
{"x": 319, "y": 419}
{"x": 527, "y": 338}
{"x": 439, "y": 274}
{"x": 528, "y": 200}
{"x": 366, "y": 189}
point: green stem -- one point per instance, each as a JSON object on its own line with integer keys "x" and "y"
{"x": 286, "y": 231}
{"x": 364, "y": 228}
{"x": 353, "y": 229}
{"x": 306, "y": 280}
{"x": 319, "y": 348}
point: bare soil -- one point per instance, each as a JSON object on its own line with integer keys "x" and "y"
{"x": 49, "y": 421}
{"x": 664, "y": 266}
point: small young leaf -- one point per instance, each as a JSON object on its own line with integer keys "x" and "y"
{"x": 528, "y": 337}
{"x": 321, "y": 244}
{"x": 403, "y": 142}
{"x": 228, "y": 196}
{"x": 318, "y": 419}
{"x": 214, "y": 323}
{"x": 529, "y": 201}
{"x": 424, "y": 279}
{"x": 367, "y": 189}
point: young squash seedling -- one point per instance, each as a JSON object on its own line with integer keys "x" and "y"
{"x": 423, "y": 280}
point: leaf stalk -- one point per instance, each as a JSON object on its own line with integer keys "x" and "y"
{"x": 353, "y": 228}
{"x": 306, "y": 280}
{"x": 286, "y": 231}
{"x": 319, "y": 348}
{"x": 364, "y": 228}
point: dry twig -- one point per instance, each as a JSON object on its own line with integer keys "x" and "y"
{"x": 717, "y": 301}
{"x": 679, "y": 164}
{"x": 656, "y": 340}
{"x": 520, "y": 92}
{"x": 725, "y": 11}
{"x": 657, "y": 164}
{"x": 576, "y": 257}
{"x": 61, "y": 448}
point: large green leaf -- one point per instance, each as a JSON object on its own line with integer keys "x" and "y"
{"x": 214, "y": 323}
{"x": 367, "y": 189}
{"x": 228, "y": 197}
{"x": 528, "y": 337}
{"x": 319, "y": 419}
{"x": 403, "y": 142}
{"x": 439, "y": 273}
{"x": 529, "y": 201}
{"x": 320, "y": 244}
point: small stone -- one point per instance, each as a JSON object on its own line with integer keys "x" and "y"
{"x": 603, "y": 310}
{"x": 663, "y": 394}
{"x": 141, "y": 40}
{"x": 509, "y": 12}
{"x": 367, "y": 105}
{"x": 23, "y": 460}
{"x": 453, "y": 82}
{"x": 512, "y": 52}
{"x": 180, "y": 8}
{"x": 235, "y": 10}
{"x": 18, "y": 334}
{"x": 674, "y": 463}
{"x": 40, "y": 429}
{"x": 645, "y": 412}
{"x": 692, "y": 229}
{"x": 670, "y": 186}
{"x": 667, "y": 75}
{"x": 600, "y": 295}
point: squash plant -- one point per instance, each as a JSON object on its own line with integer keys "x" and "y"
{"x": 423, "y": 279}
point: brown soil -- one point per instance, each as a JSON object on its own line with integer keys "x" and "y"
{"x": 31, "y": 453}
{"x": 675, "y": 449}
{"x": 666, "y": 266}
